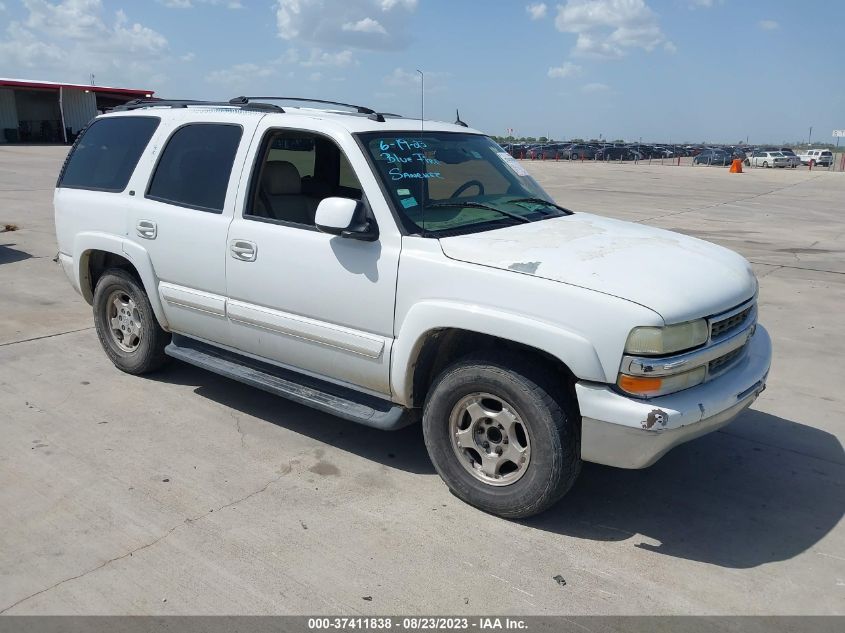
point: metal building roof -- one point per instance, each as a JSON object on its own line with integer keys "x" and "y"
{"x": 35, "y": 83}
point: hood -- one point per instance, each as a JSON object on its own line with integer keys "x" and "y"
{"x": 677, "y": 276}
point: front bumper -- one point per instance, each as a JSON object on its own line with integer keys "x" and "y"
{"x": 625, "y": 432}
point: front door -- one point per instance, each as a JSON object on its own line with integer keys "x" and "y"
{"x": 310, "y": 301}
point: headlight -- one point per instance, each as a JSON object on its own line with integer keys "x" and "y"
{"x": 656, "y": 341}
{"x": 652, "y": 386}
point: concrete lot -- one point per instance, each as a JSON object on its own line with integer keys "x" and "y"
{"x": 185, "y": 493}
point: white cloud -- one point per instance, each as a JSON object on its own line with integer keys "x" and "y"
{"x": 320, "y": 57}
{"x": 595, "y": 87}
{"x": 537, "y": 11}
{"x": 401, "y": 78}
{"x": 239, "y": 75}
{"x": 2, "y": 7}
{"x": 72, "y": 38}
{"x": 704, "y": 4}
{"x": 388, "y": 5}
{"x": 670, "y": 47}
{"x": 365, "y": 25}
{"x": 345, "y": 23}
{"x": 190, "y": 4}
{"x": 188, "y": 57}
{"x": 768, "y": 25}
{"x": 566, "y": 69}
{"x": 609, "y": 28}
{"x": 315, "y": 77}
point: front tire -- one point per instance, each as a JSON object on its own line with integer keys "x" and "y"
{"x": 502, "y": 434}
{"x": 126, "y": 325}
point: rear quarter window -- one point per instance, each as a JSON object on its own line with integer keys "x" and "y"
{"x": 105, "y": 155}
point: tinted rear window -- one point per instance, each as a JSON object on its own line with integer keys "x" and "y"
{"x": 105, "y": 156}
{"x": 195, "y": 166}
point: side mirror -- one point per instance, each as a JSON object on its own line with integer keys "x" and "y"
{"x": 344, "y": 217}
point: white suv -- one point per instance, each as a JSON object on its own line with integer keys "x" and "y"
{"x": 386, "y": 270}
{"x": 812, "y": 157}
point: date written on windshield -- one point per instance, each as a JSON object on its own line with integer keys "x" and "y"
{"x": 402, "y": 145}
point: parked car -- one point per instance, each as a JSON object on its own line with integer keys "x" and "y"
{"x": 615, "y": 153}
{"x": 739, "y": 153}
{"x": 578, "y": 152}
{"x": 712, "y": 156}
{"x": 792, "y": 159}
{"x": 381, "y": 292}
{"x": 769, "y": 159}
{"x": 822, "y": 157}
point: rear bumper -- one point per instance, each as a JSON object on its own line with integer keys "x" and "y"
{"x": 70, "y": 270}
{"x": 628, "y": 433}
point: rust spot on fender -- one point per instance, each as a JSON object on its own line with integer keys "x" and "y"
{"x": 657, "y": 417}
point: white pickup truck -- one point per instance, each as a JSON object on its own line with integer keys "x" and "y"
{"x": 388, "y": 270}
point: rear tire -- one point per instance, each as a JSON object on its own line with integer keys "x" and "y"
{"x": 126, "y": 325}
{"x": 502, "y": 434}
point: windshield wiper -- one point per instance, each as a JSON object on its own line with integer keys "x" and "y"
{"x": 542, "y": 201}
{"x": 476, "y": 205}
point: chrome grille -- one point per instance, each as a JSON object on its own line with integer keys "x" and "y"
{"x": 724, "y": 327}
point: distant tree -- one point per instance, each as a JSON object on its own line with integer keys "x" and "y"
{"x": 530, "y": 139}
{"x": 619, "y": 140}
{"x": 543, "y": 139}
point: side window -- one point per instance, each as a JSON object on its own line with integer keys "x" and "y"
{"x": 106, "y": 154}
{"x": 195, "y": 166}
{"x": 294, "y": 171}
{"x": 298, "y": 151}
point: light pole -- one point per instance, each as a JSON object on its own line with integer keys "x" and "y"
{"x": 810, "y": 137}
{"x": 422, "y": 94}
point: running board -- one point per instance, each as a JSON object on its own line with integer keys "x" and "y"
{"x": 312, "y": 392}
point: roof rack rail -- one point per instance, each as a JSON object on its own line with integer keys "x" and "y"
{"x": 137, "y": 104}
{"x": 360, "y": 109}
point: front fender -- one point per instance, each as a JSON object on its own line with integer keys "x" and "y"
{"x": 86, "y": 242}
{"x": 423, "y": 318}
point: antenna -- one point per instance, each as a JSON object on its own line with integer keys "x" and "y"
{"x": 423, "y": 185}
{"x": 458, "y": 119}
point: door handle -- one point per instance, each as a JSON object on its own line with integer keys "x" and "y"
{"x": 243, "y": 250}
{"x": 146, "y": 229}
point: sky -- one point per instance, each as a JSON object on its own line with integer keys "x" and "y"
{"x": 660, "y": 70}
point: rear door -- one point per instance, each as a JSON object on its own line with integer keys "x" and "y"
{"x": 180, "y": 214}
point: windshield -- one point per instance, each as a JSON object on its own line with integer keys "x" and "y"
{"x": 447, "y": 183}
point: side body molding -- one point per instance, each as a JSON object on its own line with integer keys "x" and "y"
{"x": 428, "y": 316}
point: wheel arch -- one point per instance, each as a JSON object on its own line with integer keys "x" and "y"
{"x": 424, "y": 346}
{"x": 95, "y": 253}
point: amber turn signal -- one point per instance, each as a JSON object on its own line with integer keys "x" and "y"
{"x": 640, "y": 384}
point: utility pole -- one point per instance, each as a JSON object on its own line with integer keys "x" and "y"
{"x": 810, "y": 137}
